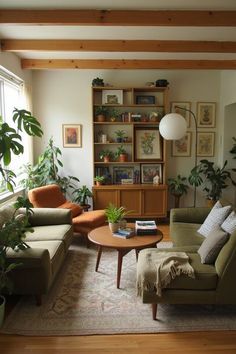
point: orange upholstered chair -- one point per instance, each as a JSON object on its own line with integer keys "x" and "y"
{"x": 51, "y": 197}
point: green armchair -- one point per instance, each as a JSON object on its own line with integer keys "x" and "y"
{"x": 213, "y": 283}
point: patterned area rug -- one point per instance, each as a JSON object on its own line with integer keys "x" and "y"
{"x": 84, "y": 302}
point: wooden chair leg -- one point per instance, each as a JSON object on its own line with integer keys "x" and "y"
{"x": 154, "y": 311}
{"x": 38, "y": 299}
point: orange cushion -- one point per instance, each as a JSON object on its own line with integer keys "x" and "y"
{"x": 46, "y": 197}
{"x": 75, "y": 208}
{"x": 89, "y": 220}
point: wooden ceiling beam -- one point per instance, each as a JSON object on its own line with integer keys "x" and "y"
{"x": 118, "y": 18}
{"x": 126, "y": 64}
{"x": 12, "y": 45}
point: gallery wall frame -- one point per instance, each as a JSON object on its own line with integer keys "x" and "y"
{"x": 205, "y": 143}
{"x": 206, "y": 114}
{"x": 186, "y": 105}
{"x": 72, "y": 135}
{"x": 182, "y": 147}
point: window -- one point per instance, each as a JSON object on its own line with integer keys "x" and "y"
{"x": 11, "y": 96}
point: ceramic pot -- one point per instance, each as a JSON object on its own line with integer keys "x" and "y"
{"x": 114, "y": 226}
{"x": 2, "y": 309}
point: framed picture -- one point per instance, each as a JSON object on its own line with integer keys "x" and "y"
{"x": 145, "y": 99}
{"x": 174, "y": 108}
{"x": 206, "y": 114}
{"x": 148, "y": 144}
{"x": 149, "y": 171}
{"x": 122, "y": 173}
{"x": 205, "y": 144}
{"x": 182, "y": 147}
{"x": 112, "y": 96}
{"x": 72, "y": 135}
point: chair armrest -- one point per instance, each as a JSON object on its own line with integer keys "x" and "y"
{"x": 189, "y": 215}
{"x": 50, "y": 216}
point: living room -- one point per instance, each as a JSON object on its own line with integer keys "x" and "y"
{"x": 63, "y": 95}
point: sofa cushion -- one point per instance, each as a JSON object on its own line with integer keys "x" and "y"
{"x": 229, "y": 225}
{"x": 75, "y": 208}
{"x": 186, "y": 234}
{"x": 51, "y": 233}
{"x": 87, "y": 221}
{"x": 214, "y": 219}
{"x": 211, "y": 246}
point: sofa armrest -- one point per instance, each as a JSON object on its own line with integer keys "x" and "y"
{"x": 189, "y": 215}
{"x": 30, "y": 258}
{"x": 50, "y": 216}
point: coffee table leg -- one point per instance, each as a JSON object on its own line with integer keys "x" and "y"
{"x": 98, "y": 257}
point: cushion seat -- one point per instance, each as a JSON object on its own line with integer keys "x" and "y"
{"x": 87, "y": 221}
{"x": 186, "y": 234}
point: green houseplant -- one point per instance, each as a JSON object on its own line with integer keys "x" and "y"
{"x": 212, "y": 177}
{"x": 121, "y": 154}
{"x": 178, "y": 188}
{"x": 114, "y": 215}
{"x": 97, "y": 82}
{"x": 12, "y": 233}
{"x": 101, "y": 113}
{"x": 120, "y": 134}
{"x": 81, "y": 195}
{"x": 113, "y": 114}
{"x": 106, "y": 155}
{"x": 99, "y": 180}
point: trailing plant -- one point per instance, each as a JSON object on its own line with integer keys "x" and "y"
{"x": 212, "y": 177}
{"x": 115, "y": 214}
{"x": 81, "y": 195}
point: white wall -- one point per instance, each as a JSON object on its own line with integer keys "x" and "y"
{"x": 12, "y": 63}
{"x": 64, "y": 97}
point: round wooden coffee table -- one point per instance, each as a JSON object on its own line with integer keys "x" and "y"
{"x": 102, "y": 236}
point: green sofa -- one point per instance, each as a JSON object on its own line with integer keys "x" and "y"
{"x": 48, "y": 243}
{"x": 213, "y": 283}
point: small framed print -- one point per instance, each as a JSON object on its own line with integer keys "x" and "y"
{"x": 205, "y": 144}
{"x": 206, "y": 114}
{"x": 72, "y": 135}
{"x": 145, "y": 100}
{"x": 148, "y": 144}
{"x": 175, "y": 107}
{"x": 112, "y": 96}
{"x": 182, "y": 147}
{"x": 149, "y": 171}
{"x": 122, "y": 173}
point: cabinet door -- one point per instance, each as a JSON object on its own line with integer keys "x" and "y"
{"x": 102, "y": 197}
{"x": 131, "y": 200}
{"x": 154, "y": 202}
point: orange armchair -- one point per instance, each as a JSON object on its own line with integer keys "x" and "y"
{"x": 51, "y": 197}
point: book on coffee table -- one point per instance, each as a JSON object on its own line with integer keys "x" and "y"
{"x": 124, "y": 233}
{"x": 145, "y": 227}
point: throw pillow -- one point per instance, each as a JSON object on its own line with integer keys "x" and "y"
{"x": 214, "y": 219}
{"x": 211, "y": 246}
{"x": 229, "y": 225}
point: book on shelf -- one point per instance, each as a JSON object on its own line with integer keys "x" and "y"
{"x": 145, "y": 227}
{"x": 124, "y": 233}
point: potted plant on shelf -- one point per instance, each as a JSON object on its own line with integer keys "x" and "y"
{"x": 106, "y": 155}
{"x": 101, "y": 113}
{"x": 178, "y": 188}
{"x": 12, "y": 233}
{"x": 213, "y": 178}
{"x": 97, "y": 82}
{"x": 113, "y": 114}
{"x": 121, "y": 154}
{"x": 120, "y": 135}
{"x": 114, "y": 215}
{"x": 81, "y": 196}
{"x": 99, "y": 180}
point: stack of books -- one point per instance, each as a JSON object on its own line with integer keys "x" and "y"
{"x": 145, "y": 228}
{"x": 124, "y": 233}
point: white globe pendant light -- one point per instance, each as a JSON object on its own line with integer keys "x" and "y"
{"x": 173, "y": 126}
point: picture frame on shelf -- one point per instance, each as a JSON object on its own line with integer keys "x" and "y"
{"x": 182, "y": 147}
{"x": 148, "y": 144}
{"x": 122, "y": 173}
{"x": 205, "y": 143}
{"x": 149, "y": 171}
{"x": 206, "y": 114}
{"x": 72, "y": 135}
{"x": 186, "y": 105}
{"x": 145, "y": 100}
{"x": 112, "y": 97}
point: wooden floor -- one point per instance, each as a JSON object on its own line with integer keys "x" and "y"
{"x": 173, "y": 343}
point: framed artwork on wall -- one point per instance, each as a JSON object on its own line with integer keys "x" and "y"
{"x": 148, "y": 144}
{"x": 182, "y": 147}
{"x": 149, "y": 171}
{"x": 205, "y": 143}
{"x": 174, "y": 108}
{"x": 72, "y": 135}
{"x": 206, "y": 114}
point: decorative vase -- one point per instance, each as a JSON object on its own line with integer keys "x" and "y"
{"x": 114, "y": 226}
{"x": 2, "y": 309}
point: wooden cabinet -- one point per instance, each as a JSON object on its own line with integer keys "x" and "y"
{"x": 135, "y": 114}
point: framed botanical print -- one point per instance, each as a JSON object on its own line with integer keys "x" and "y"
{"x": 206, "y": 114}
{"x": 72, "y": 135}
{"x": 175, "y": 107}
{"x": 150, "y": 171}
{"x": 182, "y": 147}
{"x": 205, "y": 143}
{"x": 148, "y": 144}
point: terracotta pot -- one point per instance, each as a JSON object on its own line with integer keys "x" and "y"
{"x": 106, "y": 159}
{"x": 98, "y": 183}
{"x": 123, "y": 158}
{"x": 100, "y": 118}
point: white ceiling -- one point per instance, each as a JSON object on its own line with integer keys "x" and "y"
{"x": 118, "y": 32}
